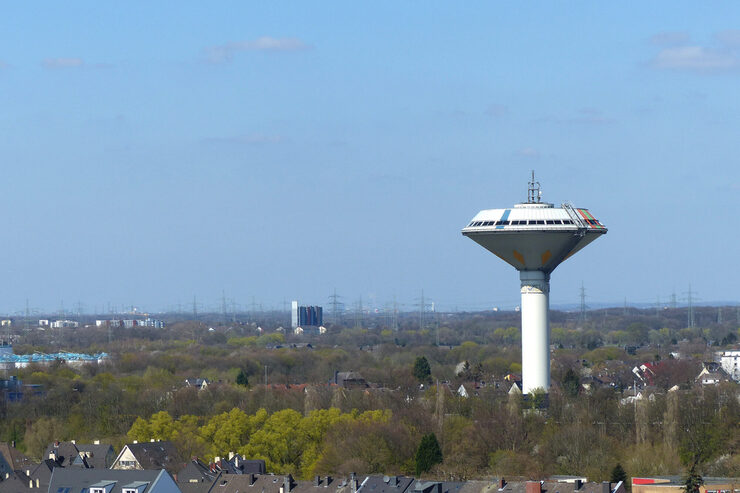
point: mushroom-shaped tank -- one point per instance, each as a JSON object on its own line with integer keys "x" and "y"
{"x": 534, "y": 237}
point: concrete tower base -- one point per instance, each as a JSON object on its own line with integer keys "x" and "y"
{"x": 535, "y": 330}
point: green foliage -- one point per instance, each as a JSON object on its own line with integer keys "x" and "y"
{"x": 618, "y": 474}
{"x": 268, "y": 339}
{"x": 140, "y": 430}
{"x": 571, "y": 383}
{"x": 428, "y": 454}
{"x": 43, "y": 432}
{"x": 693, "y": 481}
{"x": 242, "y": 378}
{"x": 250, "y": 341}
{"x": 537, "y": 398}
{"x": 606, "y": 353}
{"x": 228, "y": 431}
{"x": 278, "y": 442}
{"x": 162, "y": 426}
{"x": 422, "y": 371}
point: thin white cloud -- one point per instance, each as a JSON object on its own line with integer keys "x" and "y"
{"x": 670, "y": 38}
{"x": 696, "y": 59}
{"x": 54, "y": 63}
{"x": 225, "y": 52}
{"x": 679, "y": 53}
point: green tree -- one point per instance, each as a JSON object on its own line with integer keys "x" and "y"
{"x": 140, "y": 430}
{"x": 187, "y": 437}
{"x": 618, "y": 474}
{"x": 422, "y": 371}
{"x": 571, "y": 383}
{"x": 226, "y": 432}
{"x": 693, "y": 481}
{"x": 280, "y": 442}
{"x": 162, "y": 426}
{"x": 241, "y": 378}
{"x": 428, "y": 454}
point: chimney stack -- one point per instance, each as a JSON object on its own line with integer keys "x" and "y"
{"x": 328, "y": 480}
{"x": 501, "y": 483}
{"x": 578, "y": 484}
{"x": 287, "y": 483}
{"x": 252, "y": 479}
{"x": 606, "y": 487}
{"x": 317, "y": 480}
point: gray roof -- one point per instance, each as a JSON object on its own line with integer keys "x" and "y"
{"x": 157, "y": 455}
{"x": 15, "y": 483}
{"x": 268, "y": 483}
{"x": 386, "y": 484}
{"x": 75, "y": 480}
{"x": 65, "y": 452}
{"x": 97, "y": 455}
{"x": 12, "y": 459}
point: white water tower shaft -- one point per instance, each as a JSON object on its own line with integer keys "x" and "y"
{"x": 534, "y": 237}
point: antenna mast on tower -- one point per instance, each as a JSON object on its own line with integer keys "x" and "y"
{"x": 534, "y": 192}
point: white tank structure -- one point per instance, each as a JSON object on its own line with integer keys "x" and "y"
{"x": 534, "y": 237}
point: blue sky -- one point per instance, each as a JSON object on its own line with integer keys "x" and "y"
{"x": 282, "y": 150}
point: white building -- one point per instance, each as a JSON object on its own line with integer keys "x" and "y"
{"x": 730, "y": 362}
{"x": 293, "y": 314}
{"x": 64, "y": 324}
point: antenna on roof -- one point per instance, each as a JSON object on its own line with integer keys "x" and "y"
{"x": 534, "y": 194}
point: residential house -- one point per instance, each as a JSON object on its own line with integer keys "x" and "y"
{"x": 394, "y": 484}
{"x": 712, "y": 373}
{"x": 349, "y": 380}
{"x": 232, "y": 483}
{"x": 198, "y": 383}
{"x": 149, "y": 455}
{"x": 87, "y": 455}
{"x": 12, "y": 459}
{"x": 75, "y": 480}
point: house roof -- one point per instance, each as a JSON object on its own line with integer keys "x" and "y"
{"x": 97, "y": 454}
{"x": 13, "y": 483}
{"x": 75, "y": 480}
{"x": 268, "y": 483}
{"x": 196, "y": 470}
{"x": 65, "y": 453}
{"x": 155, "y": 455}
{"x": 386, "y": 484}
{"x": 12, "y": 459}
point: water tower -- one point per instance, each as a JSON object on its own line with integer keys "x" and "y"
{"x": 534, "y": 237}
